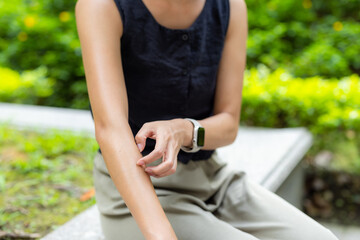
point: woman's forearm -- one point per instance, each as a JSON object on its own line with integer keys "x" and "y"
{"x": 220, "y": 130}
{"x": 134, "y": 185}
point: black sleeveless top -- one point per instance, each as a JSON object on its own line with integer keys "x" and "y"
{"x": 171, "y": 73}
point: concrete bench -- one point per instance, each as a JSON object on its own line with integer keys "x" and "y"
{"x": 272, "y": 157}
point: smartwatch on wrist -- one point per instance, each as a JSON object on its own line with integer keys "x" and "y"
{"x": 198, "y": 137}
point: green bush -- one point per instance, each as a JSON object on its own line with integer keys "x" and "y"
{"x": 30, "y": 87}
{"x": 277, "y": 99}
{"x": 346, "y": 9}
{"x": 36, "y": 33}
{"x": 306, "y": 37}
{"x": 278, "y": 30}
{"x": 322, "y": 36}
{"x": 334, "y": 53}
{"x": 321, "y": 58}
{"x": 329, "y": 108}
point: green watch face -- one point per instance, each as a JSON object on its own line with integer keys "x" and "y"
{"x": 201, "y": 137}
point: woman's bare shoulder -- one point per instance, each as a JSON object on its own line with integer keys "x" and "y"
{"x": 238, "y": 12}
{"x": 238, "y": 5}
{"x": 97, "y": 13}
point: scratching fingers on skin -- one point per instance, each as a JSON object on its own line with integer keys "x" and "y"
{"x": 157, "y": 153}
{"x": 168, "y": 166}
{"x": 167, "y": 147}
{"x": 142, "y": 135}
{"x": 168, "y": 173}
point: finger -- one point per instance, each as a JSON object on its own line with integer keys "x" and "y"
{"x": 168, "y": 173}
{"x": 141, "y": 136}
{"x": 167, "y": 166}
{"x": 157, "y": 153}
{"x": 174, "y": 167}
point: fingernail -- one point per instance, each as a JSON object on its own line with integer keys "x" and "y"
{"x": 139, "y": 146}
{"x": 149, "y": 171}
{"x": 141, "y": 162}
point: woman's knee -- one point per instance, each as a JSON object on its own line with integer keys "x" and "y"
{"x": 321, "y": 232}
{"x": 308, "y": 228}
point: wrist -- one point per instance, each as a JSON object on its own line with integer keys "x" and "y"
{"x": 198, "y": 137}
{"x": 187, "y": 131}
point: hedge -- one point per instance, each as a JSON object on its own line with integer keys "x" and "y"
{"x": 278, "y": 99}
{"x": 270, "y": 98}
{"x": 29, "y": 87}
{"x": 306, "y": 37}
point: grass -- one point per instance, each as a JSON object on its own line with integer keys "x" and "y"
{"x": 43, "y": 178}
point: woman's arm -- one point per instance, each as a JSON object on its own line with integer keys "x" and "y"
{"x": 100, "y": 29}
{"x": 221, "y": 128}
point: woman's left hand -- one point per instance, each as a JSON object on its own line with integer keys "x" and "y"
{"x": 170, "y": 135}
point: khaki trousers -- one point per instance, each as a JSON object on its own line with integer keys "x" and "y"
{"x": 208, "y": 200}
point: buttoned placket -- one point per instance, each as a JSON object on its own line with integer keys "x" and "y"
{"x": 185, "y": 36}
{"x": 186, "y": 40}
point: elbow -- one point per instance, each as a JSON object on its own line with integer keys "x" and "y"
{"x": 102, "y": 131}
{"x": 100, "y": 128}
{"x": 233, "y": 134}
{"x": 233, "y": 129}
{"x": 107, "y": 127}
{"x": 99, "y": 133}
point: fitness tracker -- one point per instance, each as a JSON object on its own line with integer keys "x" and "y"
{"x": 198, "y": 137}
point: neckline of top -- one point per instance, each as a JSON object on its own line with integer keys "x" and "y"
{"x": 176, "y": 29}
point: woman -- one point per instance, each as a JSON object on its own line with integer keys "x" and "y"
{"x": 160, "y": 73}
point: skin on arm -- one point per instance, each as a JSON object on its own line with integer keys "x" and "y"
{"x": 221, "y": 128}
{"x": 100, "y": 29}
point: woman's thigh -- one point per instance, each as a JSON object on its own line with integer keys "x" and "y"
{"x": 252, "y": 208}
{"x": 187, "y": 213}
{"x": 189, "y": 221}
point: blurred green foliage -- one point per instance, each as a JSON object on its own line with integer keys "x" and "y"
{"x": 42, "y": 178}
{"x": 30, "y": 87}
{"x": 43, "y": 33}
{"x": 278, "y": 99}
{"x": 329, "y": 108}
{"x": 306, "y": 37}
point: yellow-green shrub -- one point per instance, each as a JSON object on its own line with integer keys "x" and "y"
{"x": 29, "y": 87}
{"x": 277, "y": 99}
